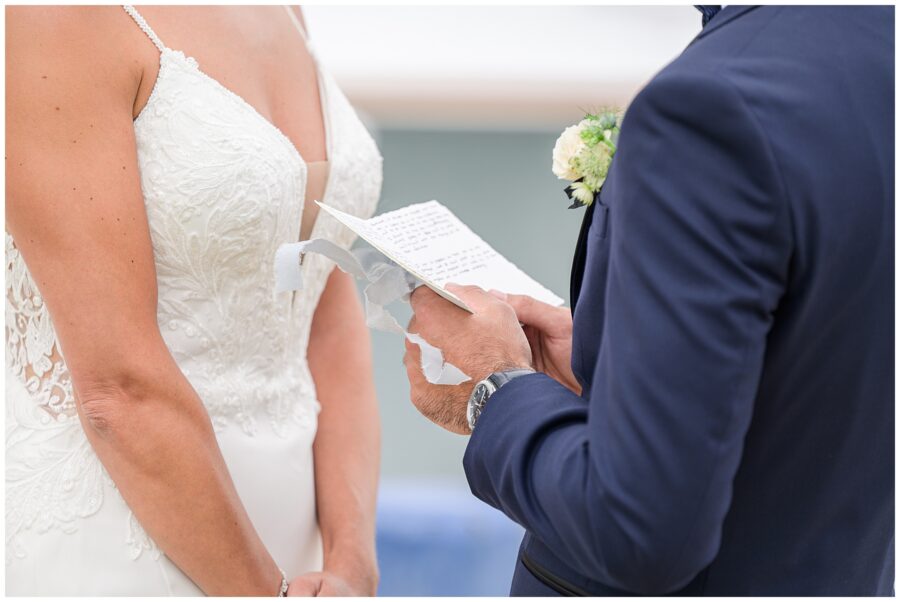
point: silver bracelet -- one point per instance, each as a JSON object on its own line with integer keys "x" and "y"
{"x": 282, "y": 592}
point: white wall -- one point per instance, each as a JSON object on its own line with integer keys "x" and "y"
{"x": 499, "y": 67}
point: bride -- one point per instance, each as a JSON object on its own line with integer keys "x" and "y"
{"x": 163, "y": 426}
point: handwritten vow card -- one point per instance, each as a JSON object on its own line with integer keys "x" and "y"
{"x": 432, "y": 244}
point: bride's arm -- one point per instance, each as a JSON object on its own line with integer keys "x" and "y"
{"x": 75, "y": 209}
{"x": 347, "y": 443}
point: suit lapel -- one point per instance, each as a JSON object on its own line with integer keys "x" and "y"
{"x": 580, "y": 256}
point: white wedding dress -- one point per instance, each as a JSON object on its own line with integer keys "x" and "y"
{"x": 223, "y": 189}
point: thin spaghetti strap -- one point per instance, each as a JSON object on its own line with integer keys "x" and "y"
{"x": 142, "y": 23}
{"x": 296, "y": 23}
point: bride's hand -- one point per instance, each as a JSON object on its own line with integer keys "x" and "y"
{"x": 327, "y": 584}
{"x": 549, "y": 332}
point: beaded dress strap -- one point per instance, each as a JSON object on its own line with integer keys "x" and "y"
{"x": 142, "y": 23}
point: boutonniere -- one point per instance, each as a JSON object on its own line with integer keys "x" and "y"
{"x": 583, "y": 153}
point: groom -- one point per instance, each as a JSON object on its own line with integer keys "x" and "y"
{"x": 718, "y": 418}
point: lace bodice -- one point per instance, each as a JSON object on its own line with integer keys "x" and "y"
{"x": 223, "y": 188}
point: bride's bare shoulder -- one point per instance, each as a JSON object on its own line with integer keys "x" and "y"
{"x": 72, "y": 48}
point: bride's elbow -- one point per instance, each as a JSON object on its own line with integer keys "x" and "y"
{"x": 141, "y": 417}
{"x": 106, "y": 405}
{"x": 137, "y": 406}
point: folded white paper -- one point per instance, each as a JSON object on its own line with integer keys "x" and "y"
{"x": 419, "y": 244}
{"x": 431, "y": 243}
{"x": 387, "y": 282}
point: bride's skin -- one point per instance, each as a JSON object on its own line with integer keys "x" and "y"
{"x": 75, "y": 78}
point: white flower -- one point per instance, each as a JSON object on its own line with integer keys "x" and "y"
{"x": 581, "y": 194}
{"x": 567, "y": 148}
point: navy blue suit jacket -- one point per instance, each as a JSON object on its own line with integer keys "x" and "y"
{"x": 733, "y": 333}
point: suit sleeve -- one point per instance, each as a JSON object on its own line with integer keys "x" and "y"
{"x": 631, "y": 485}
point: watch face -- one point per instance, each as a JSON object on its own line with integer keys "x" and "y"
{"x": 476, "y": 403}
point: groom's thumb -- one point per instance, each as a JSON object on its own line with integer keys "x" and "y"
{"x": 530, "y": 311}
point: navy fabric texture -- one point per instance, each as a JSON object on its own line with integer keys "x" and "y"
{"x": 733, "y": 332}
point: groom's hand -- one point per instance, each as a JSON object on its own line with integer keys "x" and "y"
{"x": 490, "y": 340}
{"x": 549, "y": 332}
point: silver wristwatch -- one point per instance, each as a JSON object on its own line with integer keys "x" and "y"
{"x": 487, "y": 387}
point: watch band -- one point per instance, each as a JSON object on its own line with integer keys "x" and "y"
{"x": 501, "y": 378}
{"x": 486, "y": 388}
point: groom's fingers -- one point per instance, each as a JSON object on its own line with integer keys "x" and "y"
{"x": 527, "y": 308}
{"x": 532, "y": 312}
{"x": 418, "y": 294}
{"x": 417, "y": 382}
{"x": 474, "y": 296}
{"x": 411, "y": 357}
{"x": 422, "y": 299}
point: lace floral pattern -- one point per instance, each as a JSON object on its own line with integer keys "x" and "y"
{"x": 223, "y": 189}
{"x": 31, "y": 341}
{"x": 53, "y": 476}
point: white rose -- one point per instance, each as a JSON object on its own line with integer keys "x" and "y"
{"x": 568, "y": 146}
